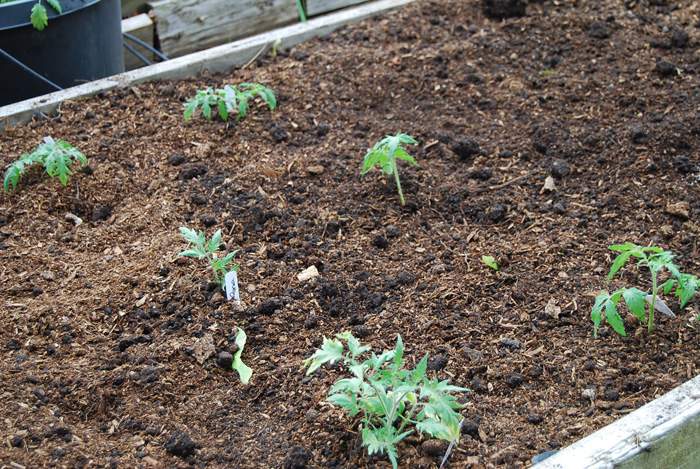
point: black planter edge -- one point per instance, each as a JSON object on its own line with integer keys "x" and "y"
{"x": 25, "y": 12}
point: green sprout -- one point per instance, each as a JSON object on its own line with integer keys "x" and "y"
{"x": 384, "y": 154}
{"x": 656, "y": 260}
{"x": 229, "y": 100}
{"x": 489, "y": 261}
{"x": 244, "y": 371}
{"x": 301, "y": 11}
{"x": 389, "y": 397}
{"x": 56, "y": 156}
{"x": 201, "y": 248}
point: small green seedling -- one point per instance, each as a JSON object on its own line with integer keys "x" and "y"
{"x": 489, "y": 261}
{"x": 656, "y": 260}
{"x": 200, "y": 248}
{"x": 389, "y": 397}
{"x": 229, "y": 100}
{"x": 384, "y": 154}
{"x": 56, "y": 156}
{"x": 244, "y": 371}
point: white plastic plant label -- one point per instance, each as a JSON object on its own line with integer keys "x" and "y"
{"x": 231, "y": 286}
{"x": 661, "y": 306}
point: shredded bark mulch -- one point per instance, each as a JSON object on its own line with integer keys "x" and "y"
{"x": 101, "y": 326}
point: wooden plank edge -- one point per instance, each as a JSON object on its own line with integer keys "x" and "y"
{"x": 217, "y": 59}
{"x": 632, "y": 434}
{"x": 135, "y": 23}
{"x": 142, "y": 27}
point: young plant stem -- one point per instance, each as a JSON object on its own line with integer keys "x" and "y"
{"x": 406, "y": 419}
{"x": 301, "y": 11}
{"x": 398, "y": 183}
{"x": 650, "y": 324}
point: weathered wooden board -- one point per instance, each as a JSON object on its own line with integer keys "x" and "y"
{"x": 185, "y": 26}
{"x": 217, "y": 59}
{"x": 317, "y": 7}
{"x": 661, "y": 434}
{"x": 143, "y": 28}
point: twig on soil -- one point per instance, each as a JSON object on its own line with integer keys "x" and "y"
{"x": 451, "y": 447}
{"x": 256, "y": 56}
{"x": 508, "y": 183}
{"x": 501, "y": 186}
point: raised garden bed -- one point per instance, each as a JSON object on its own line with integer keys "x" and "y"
{"x": 99, "y": 322}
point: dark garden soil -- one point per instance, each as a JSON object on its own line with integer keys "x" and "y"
{"x": 101, "y": 325}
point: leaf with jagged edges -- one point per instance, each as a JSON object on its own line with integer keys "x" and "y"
{"x": 56, "y": 5}
{"x": 56, "y": 156}
{"x": 330, "y": 352}
{"x": 39, "y": 16}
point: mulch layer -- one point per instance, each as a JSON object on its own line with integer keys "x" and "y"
{"x": 101, "y": 326}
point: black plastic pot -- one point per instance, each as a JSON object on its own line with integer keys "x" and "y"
{"x": 83, "y": 43}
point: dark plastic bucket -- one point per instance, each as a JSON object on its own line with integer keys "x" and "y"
{"x": 82, "y": 44}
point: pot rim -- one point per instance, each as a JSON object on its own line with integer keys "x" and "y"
{"x": 19, "y": 18}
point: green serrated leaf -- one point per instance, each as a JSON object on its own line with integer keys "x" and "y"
{"x": 624, "y": 247}
{"x": 618, "y": 263}
{"x": 190, "y": 108}
{"x": 56, "y": 5}
{"x": 39, "y": 16}
{"x": 687, "y": 286}
{"x": 242, "y": 107}
{"x": 614, "y": 319}
{"x": 347, "y": 402}
{"x": 192, "y": 253}
{"x": 434, "y": 428}
{"x": 330, "y": 352}
{"x": 421, "y": 368}
{"x": 223, "y": 111}
{"x": 190, "y": 235}
{"x": 214, "y": 242}
{"x": 206, "y": 110}
{"x": 402, "y": 154}
{"x": 636, "y": 302}
{"x": 398, "y": 354}
{"x": 668, "y": 285}
{"x": 13, "y": 174}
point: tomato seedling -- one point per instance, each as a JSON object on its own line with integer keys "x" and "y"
{"x": 656, "y": 260}
{"x": 56, "y": 156}
{"x": 201, "y": 248}
{"x": 384, "y": 154}
{"x": 389, "y": 397}
{"x": 232, "y": 99}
